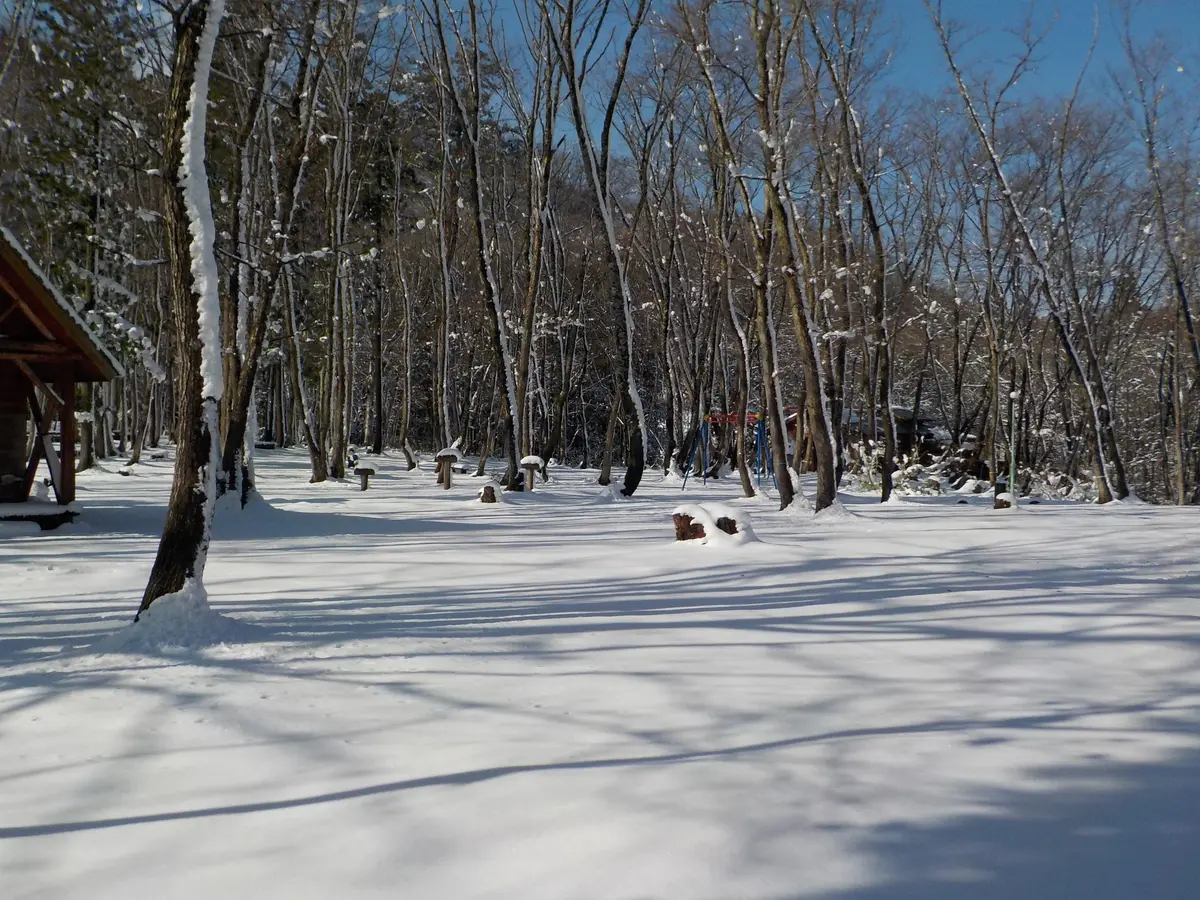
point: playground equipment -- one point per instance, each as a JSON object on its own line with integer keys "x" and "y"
{"x": 762, "y": 447}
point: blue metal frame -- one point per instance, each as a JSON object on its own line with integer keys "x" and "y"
{"x": 701, "y": 445}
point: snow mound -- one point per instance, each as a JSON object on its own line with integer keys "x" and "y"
{"x": 532, "y": 461}
{"x": 707, "y": 514}
{"x": 673, "y": 476}
{"x": 449, "y": 451}
{"x": 179, "y": 621}
{"x": 797, "y": 510}
{"x": 800, "y": 503}
{"x": 610, "y": 493}
{"x": 835, "y": 512}
{"x": 497, "y": 488}
{"x": 258, "y": 517}
{"x": 1132, "y": 500}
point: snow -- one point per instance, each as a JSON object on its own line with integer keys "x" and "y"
{"x": 708, "y": 514}
{"x": 424, "y": 698}
{"x": 609, "y": 493}
{"x": 452, "y": 452}
{"x": 497, "y": 490}
{"x": 193, "y": 177}
{"x": 532, "y": 461}
{"x": 179, "y": 621}
{"x": 835, "y": 512}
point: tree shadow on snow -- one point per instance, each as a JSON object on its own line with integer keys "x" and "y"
{"x": 1113, "y": 831}
{"x": 1103, "y": 830}
{"x": 948, "y": 599}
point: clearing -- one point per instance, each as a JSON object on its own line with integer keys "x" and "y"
{"x": 427, "y": 697}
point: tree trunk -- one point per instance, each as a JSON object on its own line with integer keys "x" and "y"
{"x": 184, "y": 544}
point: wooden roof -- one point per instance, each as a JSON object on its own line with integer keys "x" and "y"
{"x": 40, "y": 326}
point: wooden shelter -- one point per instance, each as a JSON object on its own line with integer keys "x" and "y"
{"x": 45, "y": 349}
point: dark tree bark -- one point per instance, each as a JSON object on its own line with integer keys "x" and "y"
{"x": 184, "y": 541}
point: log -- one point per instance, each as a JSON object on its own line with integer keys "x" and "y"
{"x": 363, "y": 476}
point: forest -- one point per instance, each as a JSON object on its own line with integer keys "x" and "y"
{"x": 608, "y": 231}
{"x": 600, "y": 449}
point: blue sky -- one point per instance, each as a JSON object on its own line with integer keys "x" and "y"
{"x": 919, "y": 62}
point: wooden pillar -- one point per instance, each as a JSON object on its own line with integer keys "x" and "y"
{"x": 14, "y": 420}
{"x": 66, "y": 389}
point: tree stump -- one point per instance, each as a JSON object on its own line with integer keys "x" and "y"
{"x": 686, "y": 528}
{"x": 704, "y": 522}
{"x": 488, "y": 494}
{"x": 727, "y": 525}
{"x": 1002, "y": 499}
{"x": 363, "y": 476}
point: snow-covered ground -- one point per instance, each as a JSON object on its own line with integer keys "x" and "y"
{"x": 426, "y": 697}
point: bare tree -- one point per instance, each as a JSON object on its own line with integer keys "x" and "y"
{"x": 183, "y": 548}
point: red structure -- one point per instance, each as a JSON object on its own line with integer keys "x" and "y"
{"x": 45, "y": 350}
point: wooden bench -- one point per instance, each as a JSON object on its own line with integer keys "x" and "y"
{"x": 531, "y": 465}
{"x": 363, "y": 476}
{"x": 445, "y": 461}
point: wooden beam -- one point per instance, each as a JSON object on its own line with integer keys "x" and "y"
{"x": 66, "y": 440}
{"x": 16, "y": 293}
{"x": 35, "y": 454}
{"x": 35, "y": 351}
{"x": 8, "y": 312}
{"x": 46, "y": 390}
{"x": 43, "y": 419}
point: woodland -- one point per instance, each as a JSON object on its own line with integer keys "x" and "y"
{"x": 581, "y": 228}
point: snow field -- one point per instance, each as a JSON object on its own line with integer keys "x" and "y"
{"x": 421, "y": 696}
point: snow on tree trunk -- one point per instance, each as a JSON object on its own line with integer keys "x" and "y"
{"x": 183, "y": 548}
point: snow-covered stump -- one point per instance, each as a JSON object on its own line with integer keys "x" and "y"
{"x": 686, "y": 528}
{"x": 531, "y": 465}
{"x": 445, "y": 461}
{"x": 491, "y": 492}
{"x": 711, "y": 521}
{"x": 1002, "y": 499}
{"x": 364, "y": 475}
